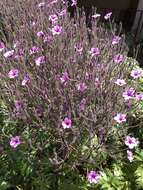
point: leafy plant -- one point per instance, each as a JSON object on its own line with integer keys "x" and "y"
{"x": 65, "y": 111}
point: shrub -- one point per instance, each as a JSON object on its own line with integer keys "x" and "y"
{"x": 66, "y": 93}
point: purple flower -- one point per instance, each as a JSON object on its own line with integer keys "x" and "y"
{"x": 137, "y": 73}
{"x": 130, "y": 155}
{"x": 139, "y": 97}
{"x": 116, "y": 40}
{"x": 120, "y": 118}
{"x": 15, "y": 141}
{"x": 65, "y": 78}
{"x": 93, "y": 177}
{"x": 128, "y": 94}
{"x": 108, "y": 16}
{"x": 9, "y": 54}
{"x": 118, "y": 58}
{"x": 94, "y": 51}
{"x": 13, "y": 73}
{"x": 53, "y": 18}
{"x": 66, "y": 123}
{"x": 81, "y": 87}
{"x": 40, "y": 60}
{"x": 40, "y": 34}
{"x": 131, "y": 142}
{"x": 33, "y": 50}
{"x": 120, "y": 82}
{"x": 25, "y": 80}
{"x": 2, "y": 46}
{"x": 56, "y": 30}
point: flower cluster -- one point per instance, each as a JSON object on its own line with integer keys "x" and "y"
{"x": 131, "y": 142}
{"x": 64, "y": 86}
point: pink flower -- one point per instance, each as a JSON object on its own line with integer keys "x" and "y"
{"x": 53, "y": 18}
{"x": 67, "y": 123}
{"x": 120, "y": 118}
{"x": 130, "y": 155}
{"x": 81, "y": 87}
{"x": 33, "y": 50}
{"x": 94, "y": 51}
{"x": 78, "y": 48}
{"x": 93, "y": 177}
{"x": 2, "y": 46}
{"x": 9, "y": 54}
{"x": 118, "y": 58}
{"x": 56, "y": 30}
{"x": 131, "y": 142}
{"x": 25, "y": 80}
{"x": 40, "y": 60}
{"x": 108, "y": 16}
{"x": 65, "y": 78}
{"x": 129, "y": 94}
{"x": 116, "y": 40}
{"x": 40, "y": 34}
{"x": 13, "y": 73}
{"x": 96, "y": 16}
{"x": 139, "y": 97}
{"x": 15, "y": 141}
{"x": 120, "y": 82}
{"x": 137, "y": 73}
{"x": 74, "y": 2}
